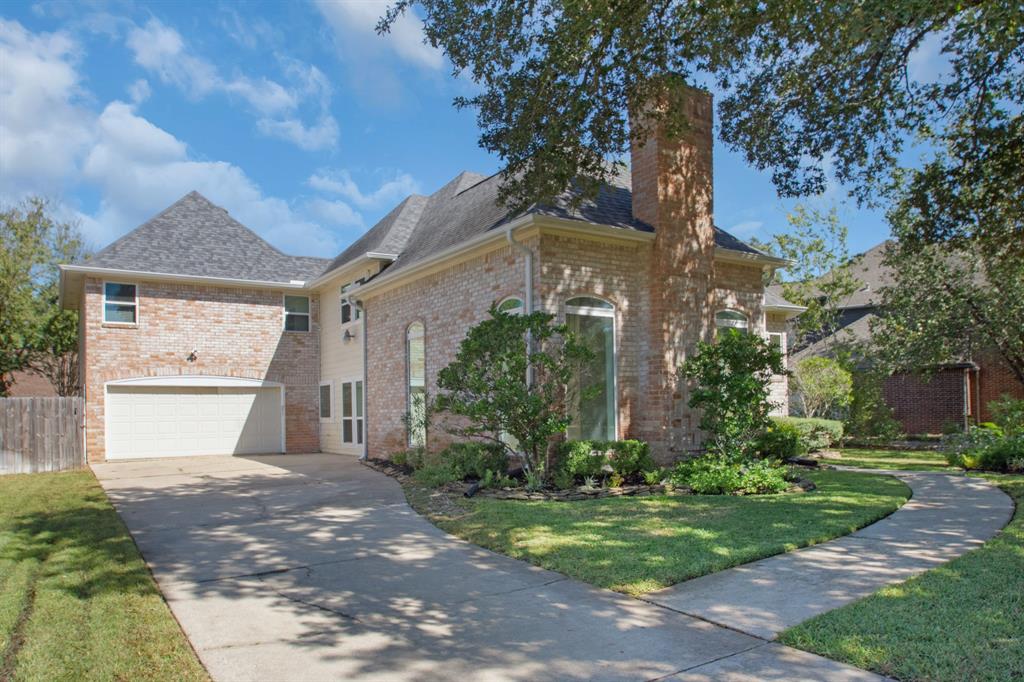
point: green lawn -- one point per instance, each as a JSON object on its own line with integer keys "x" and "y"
{"x": 907, "y": 460}
{"x": 636, "y": 545}
{"x": 961, "y": 621}
{"x": 76, "y": 600}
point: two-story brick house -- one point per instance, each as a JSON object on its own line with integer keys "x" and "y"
{"x": 200, "y": 338}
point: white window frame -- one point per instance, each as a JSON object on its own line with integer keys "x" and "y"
{"x": 285, "y": 313}
{"x": 411, "y": 440}
{"x": 357, "y": 419}
{"x": 135, "y": 304}
{"x": 330, "y": 402}
{"x": 356, "y": 314}
{"x": 518, "y": 310}
{"x": 613, "y": 314}
{"x": 782, "y": 341}
{"x": 743, "y": 324}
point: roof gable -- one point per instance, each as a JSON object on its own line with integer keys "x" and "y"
{"x": 194, "y": 236}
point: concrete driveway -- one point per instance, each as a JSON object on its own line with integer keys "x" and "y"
{"x": 313, "y": 567}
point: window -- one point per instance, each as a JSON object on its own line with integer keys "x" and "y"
{"x": 512, "y": 306}
{"x": 778, "y": 341}
{"x": 352, "y": 412}
{"x": 325, "y": 401}
{"x": 417, "y": 372}
{"x": 592, "y": 394}
{"x": 120, "y": 303}
{"x": 349, "y": 311}
{"x": 731, "y": 319}
{"x": 296, "y": 313}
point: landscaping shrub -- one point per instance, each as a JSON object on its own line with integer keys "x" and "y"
{"x": 473, "y": 460}
{"x": 815, "y": 434}
{"x": 1008, "y": 414}
{"x": 781, "y": 440}
{"x": 436, "y": 474}
{"x": 763, "y": 478}
{"x": 869, "y": 418}
{"x": 708, "y": 476}
{"x": 626, "y": 459}
{"x": 985, "y": 446}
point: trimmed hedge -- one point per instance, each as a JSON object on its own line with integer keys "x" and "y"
{"x": 594, "y": 458}
{"x": 815, "y": 434}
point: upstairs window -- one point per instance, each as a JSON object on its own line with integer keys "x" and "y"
{"x": 120, "y": 303}
{"x": 349, "y": 312}
{"x": 732, "y": 319}
{"x": 296, "y": 313}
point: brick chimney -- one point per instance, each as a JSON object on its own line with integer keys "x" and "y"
{"x": 672, "y": 191}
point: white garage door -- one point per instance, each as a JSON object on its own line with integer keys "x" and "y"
{"x": 175, "y": 421}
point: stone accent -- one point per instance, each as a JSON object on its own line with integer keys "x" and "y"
{"x": 672, "y": 190}
{"x": 237, "y": 332}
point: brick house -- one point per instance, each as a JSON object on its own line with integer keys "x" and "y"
{"x": 198, "y": 337}
{"x": 956, "y": 394}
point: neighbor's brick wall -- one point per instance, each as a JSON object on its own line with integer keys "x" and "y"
{"x": 448, "y": 303}
{"x": 926, "y": 406}
{"x": 994, "y": 380}
{"x": 237, "y": 332}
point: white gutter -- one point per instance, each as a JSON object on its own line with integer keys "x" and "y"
{"x": 528, "y": 298}
{"x": 366, "y": 257}
{"x": 366, "y": 386}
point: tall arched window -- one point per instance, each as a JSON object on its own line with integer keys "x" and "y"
{"x": 416, "y": 370}
{"x": 592, "y": 396}
{"x": 732, "y": 319}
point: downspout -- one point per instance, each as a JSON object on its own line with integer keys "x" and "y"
{"x": 528, "y": 297}
{"x": 366, "y": 386}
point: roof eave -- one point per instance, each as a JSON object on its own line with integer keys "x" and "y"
{"x": 176, "y": 277}
{"x": 723, "y": 253}
{"x": 369, "y": 256}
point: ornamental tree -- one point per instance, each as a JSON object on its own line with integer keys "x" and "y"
{"x": 732, "y": 380}
{"x": 822, "y": 386}
{"x": 485, "y": 387}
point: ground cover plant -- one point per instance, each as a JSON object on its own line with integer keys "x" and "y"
{"x": 76, "y": 600}
{"x": 639, "y": 544}
{"x": 961, "y": 621}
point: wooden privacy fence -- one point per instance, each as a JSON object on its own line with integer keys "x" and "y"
{"x": 41, "y": 434}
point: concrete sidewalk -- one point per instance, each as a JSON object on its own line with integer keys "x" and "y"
{"x": 313, "y": 567}
{"x": 947, "y": 516}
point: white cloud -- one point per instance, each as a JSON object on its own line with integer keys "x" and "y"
{"x": 746, "y": 229}
{"x": 336, "y": 212}
{"x": 341, "y": 182}
{"x": 139, "y": 91}
{"x": 161, "y": 50}
{"x": 43, "y": 128}
{"x": 354, "y": 24}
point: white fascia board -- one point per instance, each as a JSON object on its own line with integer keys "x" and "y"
{"x": 367, "y": 257}
{"x": 112, "y": 273}
{"x": 747, "y": 257}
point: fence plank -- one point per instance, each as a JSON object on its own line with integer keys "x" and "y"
{"x": 41, "y": 434}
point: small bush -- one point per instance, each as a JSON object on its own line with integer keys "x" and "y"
{"x": 815, "y": 434}
{"x": 763, "y": 478}
{"x": 630, "y": 457}
{"x": 781, "y": 440}
{"x": 471, "y": 460}
{"x": 1008, "y": 413}
{"x": 655, "y": 476}
{"x": 983, "y": 447}
{"x": 436, "y": 474}
{"x": 414, "y": 458}
{"x": 714, "y": 477}
{"x": 999, "y": 455}
{"x": 627, "y": 459}
{"x": 582, "y": 460}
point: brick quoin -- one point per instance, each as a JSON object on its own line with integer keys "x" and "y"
{"x": 238, "y": 333}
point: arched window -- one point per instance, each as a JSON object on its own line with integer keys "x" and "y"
{"x": 592, "y": 396}
{"x": 732, "y": 319}
{"x": 416, "y": 370}
{"x": 511, "y": 305}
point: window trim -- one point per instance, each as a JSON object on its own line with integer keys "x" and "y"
{"x": 135, "y": 304}
{"x": 330, "y": 401}
{"x": 733, "y": 323}
{"x": 357, "y": 314}
{"x": 357, "y": 417}
{"x": 285, "y": 314}
{"x": 517, "y": 310}
{"x": 613, "y": 314}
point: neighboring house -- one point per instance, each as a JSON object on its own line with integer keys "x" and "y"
{"x": 29, "y": 384}
{"x": 199, "y": 337}
{"x": 956, "y": 394}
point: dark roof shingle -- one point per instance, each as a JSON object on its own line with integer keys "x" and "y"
{"x": 194, "y": 236}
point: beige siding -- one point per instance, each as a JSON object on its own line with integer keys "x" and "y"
{"x": 776, "y": 323}
{"x": 340, "y": 360}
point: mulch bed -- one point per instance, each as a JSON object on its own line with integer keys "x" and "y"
{"x": 404, "y": 477}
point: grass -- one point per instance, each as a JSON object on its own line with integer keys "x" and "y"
{"x": 906, "y": 460}
{"x": 961, "y": 621}
{"x": 639, "y": 544}
{"x": 76, "y": 600}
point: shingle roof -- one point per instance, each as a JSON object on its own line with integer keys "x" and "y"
{"x": 194, "y": 236}
{"x": 389, "y": 235}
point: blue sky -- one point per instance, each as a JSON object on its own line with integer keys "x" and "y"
{"x": 296, "y": 117}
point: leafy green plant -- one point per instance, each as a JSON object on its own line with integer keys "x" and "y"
{"x": 782, "y": 440}
{"x": 655, "y": 476}
{"x": 471, "y": 460}
{"x": 436, "y": 473}
{"x": 486, "y": 385}
{"x": 822, "y": 386}
{"x": 562, "y": 479}
{"x": 869, "y": 417}
{"x": 1008, "y": 413}
{"x": 534, "y": 480}
{"x": 763, "y": 478}
{"x": 966, "y": 449}
{"x": 732, "y": 378}
{"x": 616, "y": 480}
{"x": 815, "y": 434}
{"x": 581, "y": 459}
{"x": 710, "y": 476}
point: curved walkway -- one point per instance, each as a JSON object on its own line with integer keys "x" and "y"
{"x": 946, "y": 516}
{"x": 313, "y": 567}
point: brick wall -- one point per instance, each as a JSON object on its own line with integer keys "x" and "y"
{"x": 926, "y": 406}
{"x": 994, "y": 380}
{"x": 447, "y": 303}
{"x": 237, "y": 332}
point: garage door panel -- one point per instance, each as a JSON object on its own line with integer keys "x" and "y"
{"x": 180, "y": 421}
